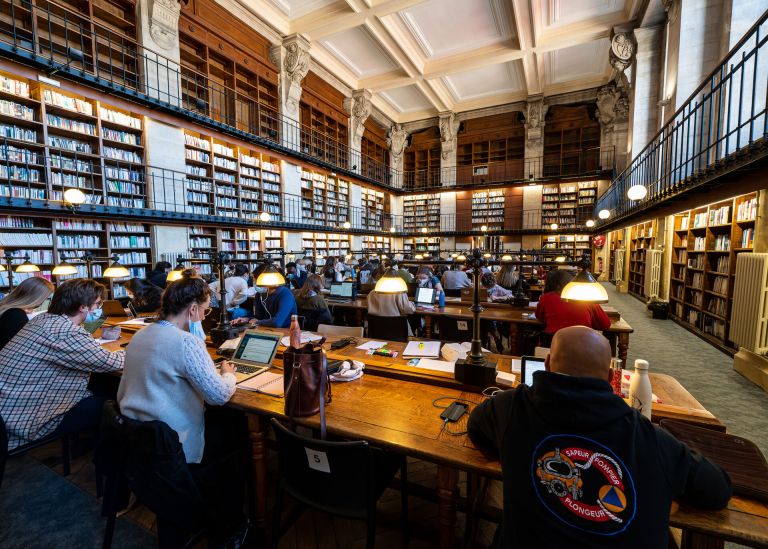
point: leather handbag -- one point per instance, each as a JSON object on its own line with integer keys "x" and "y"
{"x": 306, "y": 382}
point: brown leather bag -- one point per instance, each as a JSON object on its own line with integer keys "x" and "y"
{"x": 306, "y": 382}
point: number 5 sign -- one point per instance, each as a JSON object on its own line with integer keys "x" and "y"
{"x": 317, "y": 460}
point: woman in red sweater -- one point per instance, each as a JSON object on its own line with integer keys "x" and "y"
{"x": 556, "y": 313}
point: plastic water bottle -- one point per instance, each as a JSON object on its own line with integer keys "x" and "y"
{"x": 640, "y": 392}
{"x": 442, "y": 299}
{"x": 295, "y": 332}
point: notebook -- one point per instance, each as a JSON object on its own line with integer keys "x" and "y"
{"x": 268, "y": 383}
{"x": 422, "y": 349}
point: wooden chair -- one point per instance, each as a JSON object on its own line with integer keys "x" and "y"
{"x": 345, "y": 478}
{"x": 344, "y": 331}
{"x": 389, "y": 328}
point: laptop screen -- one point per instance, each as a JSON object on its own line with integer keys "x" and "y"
{"x": 336, "y": 289}
{"x": 257, "y": 347}
{"x": 425, "y": 295}
{"x": 346, "y": 289}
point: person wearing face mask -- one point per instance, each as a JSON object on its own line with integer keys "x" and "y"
{"x": 16, "y": 307}
{"x": 145, "y": 296}
{"x": 427, "y": 279}
{"x": 295, "y": 277}
{"x": 236, "y": 287}
{"x": 45, "y": 369}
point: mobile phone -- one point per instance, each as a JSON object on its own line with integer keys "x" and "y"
{"x": 454, "y": 411}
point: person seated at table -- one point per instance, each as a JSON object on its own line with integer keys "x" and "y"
{"x": 364, "y": 271}
{"x": 311, "y": 304}
{"x": 159, "y": 275}
{"x": 170, "y": 377}
{"x": 330, "y": 272}
{"x": 16, "y": 307}
{"x": 455, "y": 278}
{"x": 275, "y": 311}
{"x": 508, "y": 276}
{"x": 427, "y": 279}
{"x": 236, "y": 287}
{"x": 294, "y": 277}
{"x": 45, "y": 369}
{"x": 402, "y": 273}
{"x": 557, "y": 314}
{"x": 495, "y": 292}
{"x": 388, "y": 304}
{"x": 144, "y": 296}
{"x": 580, "y": 467}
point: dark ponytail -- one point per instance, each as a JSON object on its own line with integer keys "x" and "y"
{"x": 180, "y": 294}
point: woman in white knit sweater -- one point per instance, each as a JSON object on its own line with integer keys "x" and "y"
{"x": 169, "y": 375}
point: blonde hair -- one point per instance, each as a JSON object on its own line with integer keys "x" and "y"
{"x": 30, "y": 294}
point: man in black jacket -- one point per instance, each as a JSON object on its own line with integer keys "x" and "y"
{"x": 581, "y": 468}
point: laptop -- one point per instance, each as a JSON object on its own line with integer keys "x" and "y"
{"x": 91, "y": 327}
{"x": 341, "y": 292}
{"x": 254, "y": 353}
{"x": 425, "y": 297}
{"x": 467, "y": 294}
{"x": 113, "y": 307}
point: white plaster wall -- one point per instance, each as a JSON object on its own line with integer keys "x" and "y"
{"x": 531, "y": 203}
{"x": 164, "y": 150}
{"x": 170, "y": 239}
{"x": 448, "y": 209}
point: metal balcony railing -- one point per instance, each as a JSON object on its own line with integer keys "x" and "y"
{"x": 64, "y": 42}
{"x": 722, "y": 123}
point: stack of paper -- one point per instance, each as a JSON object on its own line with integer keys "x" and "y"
{"x": 422, "y": 349}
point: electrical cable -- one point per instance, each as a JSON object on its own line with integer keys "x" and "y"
{"x": 444, "y": 428}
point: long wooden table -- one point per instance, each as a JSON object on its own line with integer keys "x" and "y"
{"x": 411, "y": 426}
{"x": 617, "y": 334}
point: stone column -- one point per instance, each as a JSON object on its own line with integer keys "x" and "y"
{"x": 449, "y": 127}
{"x": 535, "y": 110}
{"x": 397, "y": 139}
{"x": 359, "y": 111}
{"x": 613, "y": 115}
{"x": 646, "y": 89}
{"x": 292, "y": 59}
{"x": 158, "y": 34}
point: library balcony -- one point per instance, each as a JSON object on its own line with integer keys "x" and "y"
{"x": 720, "y": 130}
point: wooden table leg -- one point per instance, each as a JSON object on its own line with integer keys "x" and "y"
{"x": 695, "y": 540}
{"x": 623, "y": 348}
{"x": 359, "y": 313}
{"x": 427, "y": 326}
{"x": 257, "y": 431}
{"x": 447, "y": 488}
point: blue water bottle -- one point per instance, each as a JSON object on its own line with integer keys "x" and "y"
{"x": 442, "y": 299}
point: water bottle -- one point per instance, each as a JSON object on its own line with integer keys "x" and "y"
{"x": 640, "y": 393}
{"x": 295, "y": 332}
{"x": 616, "y": 373}
{"x": 442, "y": 299}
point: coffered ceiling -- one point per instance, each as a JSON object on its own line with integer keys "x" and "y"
{"x": 421, "y": 57}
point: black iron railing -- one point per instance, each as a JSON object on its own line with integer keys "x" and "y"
{"x": 722, "y": 123}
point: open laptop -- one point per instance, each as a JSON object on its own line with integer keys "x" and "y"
{"x": 425, "y": 297}
{"x": 254, "y": 354}
{"x": 113, "y": 307}
{"x": 341, "y": 292}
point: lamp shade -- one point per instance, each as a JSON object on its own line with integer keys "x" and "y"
{"x": 391, "y": 283}
{"x": 604, "y": 214}
{"x": 174, "y": 275}
{"x": 391, "y": 229}
{"x": 637, "y": 192}
{"x": 553, "y": 226}
{"x": 560, "y": 259}
{"x": 584, "y": 289}
{"x": 424, "y": 230}
{"x": 116, "y": 271}
{"x": 506, "y": 257}
{"x": 418, "y": 257}
{"x": 484, "y": 228}
{"x": 590, "y": 223}
{"x": 64, "y": 268}
{"x": 27, "y": 267}
{"x": 2, "y": 267}
{"x": 270, "y": 278}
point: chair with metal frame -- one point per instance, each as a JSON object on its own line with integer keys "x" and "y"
{"x": 389, "y": 328}
{"x": 340, "y": 478}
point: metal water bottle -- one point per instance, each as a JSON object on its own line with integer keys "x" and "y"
{"x": 640, "y": 392}
{"x": 295, "y": 332}
{"x": 442, "y": 299}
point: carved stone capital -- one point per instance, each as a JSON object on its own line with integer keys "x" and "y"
{"x": 612, "y": 105}
{"x": 164, "y": 22}
{"x": 359, "y": 112}
{"x": 449, "y": 127}
{"x": 622, "y": 53}
{"x": 397, "y": 138}
{"x": 293, "y": 60}
{"x": 672, "y": 7}
{"x": 535, "y": 110}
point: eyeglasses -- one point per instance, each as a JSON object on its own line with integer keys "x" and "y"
{"x": 98, "y": 304}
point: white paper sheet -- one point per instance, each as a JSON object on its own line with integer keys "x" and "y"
{"x": 134, "y": 322}
{"x": 422, "y": 348}
{"x": 306, "y": 337}
{"x": 371, "y": 345}
{"x": 437, "y": 365}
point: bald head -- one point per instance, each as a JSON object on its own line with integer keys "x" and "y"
{"x": 581, "y": 352}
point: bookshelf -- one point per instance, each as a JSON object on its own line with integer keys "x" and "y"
{"x": 642, "y": 238}
{"x": 571, "y": 141}
{"x": 273, "y": 241}
{"x": 559, "y": 204}
{"x": 617, "y": 242}
{"x": 422, "y": 245}
{"x": 132, "y": 242}
{"x": 325, "y": 244}
{"x": 706, "y": 243}
{"x": 374, "y": 207}
{"x": 324, "y": 199}
{"x": 323, "y": 135}
{"x": 381, "y": 243}
{"x": 27, "y": 236}
{"x": 202, "y": 241}
{"x": 122, "y": 150}
{"x": 491, "y": 148}
{"x": 421, "y": 210}
{"x": 488, "y": 209}
{"x": 573, "y": 246}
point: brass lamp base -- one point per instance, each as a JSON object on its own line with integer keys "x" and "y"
{"x": 469, "y": 373}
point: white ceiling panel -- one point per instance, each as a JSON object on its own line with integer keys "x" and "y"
{"x": 360, "y": 52}
{"x": 406, "y": 99}
{"x": 486, "y": 81}
{"x": 583, "y": 61}
{"x": 445, "y": 27}
{"x": 299, "y": 8}
{"x": 565, "y": 12}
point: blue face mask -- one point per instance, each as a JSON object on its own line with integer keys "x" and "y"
{"x": 93, "y": 315}
{"x": 196, "y": 328}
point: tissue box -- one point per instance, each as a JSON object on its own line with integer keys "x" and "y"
{"x": 110, "y": 332}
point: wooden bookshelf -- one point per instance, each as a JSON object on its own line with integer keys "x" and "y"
{"x": 375, "y": 204}
{"x": 571, "y": 141}
{"x": 488, "y": 209}
{"x": 419, "y": 211}
{"x": 491, "y": 148}
{"x": 382, "y": 243}
{"x": 324, "y": 244}
{"x": 706, "y": 244}
{"x": 642, "y": 238}
{"x": 324, "y": 199}
{"x": 559, "y": 204}
{"x": 325, "y": 135}
{"x": 132, "y": 242}
{"x": 573, "y": 246}
{"x": 421, "y": 159}
{"x": 202, "y": 242}
{"x": 422, "y": 245}
{"x": 374, "y": 150}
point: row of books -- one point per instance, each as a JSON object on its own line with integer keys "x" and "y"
{"x": 699, "y": 220}
{"x": 71, "y": 180}
{"x": 699, "y": 243}
{"x": 15, "y": 154}
{"x": 74, "y": 164}
{"x": 720, "y": 216}
{"x": 717, "y": 306}
{"x": 26, "y": 239}
{"x": 69, "y": 144}
{"x": 218, "y": 148}
{"x": 720, "y": 284}
{"x": 198, "y": 171}
{"x": 722, "y": 243}
{"x": 9, "y": 108}
{"x": 70, "y": 225}
{"x": 696, "y": 280}
{"x": 696, "y": 262}
{"x": 697, "y": 299}
{"x": 15, "y": 132}
{"x": 20, "y": 277}
{"x": 713, "y": 327}
{"x": 225, "y": 177}
{"x": 747, "y": 210}
{"x": 19, "y": 173}
{"x": 124, "y": 202}
{"x": 127, "y": 227}
{"x": 747, "y": 238}
{"x": 117, "y": 117}
{"x": 123, "y": 137}
{"x": 81, "y": 242}
{"x": 14, "y": 87}
{"x": 11, "y": 222}
{"x": 198, "y": 142}
{"x": 197, "y": 156}
{"x": 124, "y": 187}
{"x": 224, "y": 163}
{"x": 132, "y": 258}
{"x": 121, "y": 154}
{"x": 123, "y": 174}
{"x": 193, "y": 196}
{"x": 202, "y": 186}
{"x": 70, "y": 125}
{"x": 39, "y": 257}
{"x": 52, "y": 97}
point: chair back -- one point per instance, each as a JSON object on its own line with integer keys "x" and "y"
{"x": 455, "y": 329}
{"x": 345, "y": 331}
{"x": 336, "y": 477}
{"x": 3, "y": 449}
{"x": 313, "y": 317}
{"x": 453, "y": 292}
{"x": 390, "y": 328}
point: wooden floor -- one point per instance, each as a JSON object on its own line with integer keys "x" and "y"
{"x": 312, "y": 530}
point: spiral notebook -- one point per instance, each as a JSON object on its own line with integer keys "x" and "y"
{"x": 268, "y": 383}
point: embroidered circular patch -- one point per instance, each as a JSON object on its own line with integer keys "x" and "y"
{"x": 584, "y": 484}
